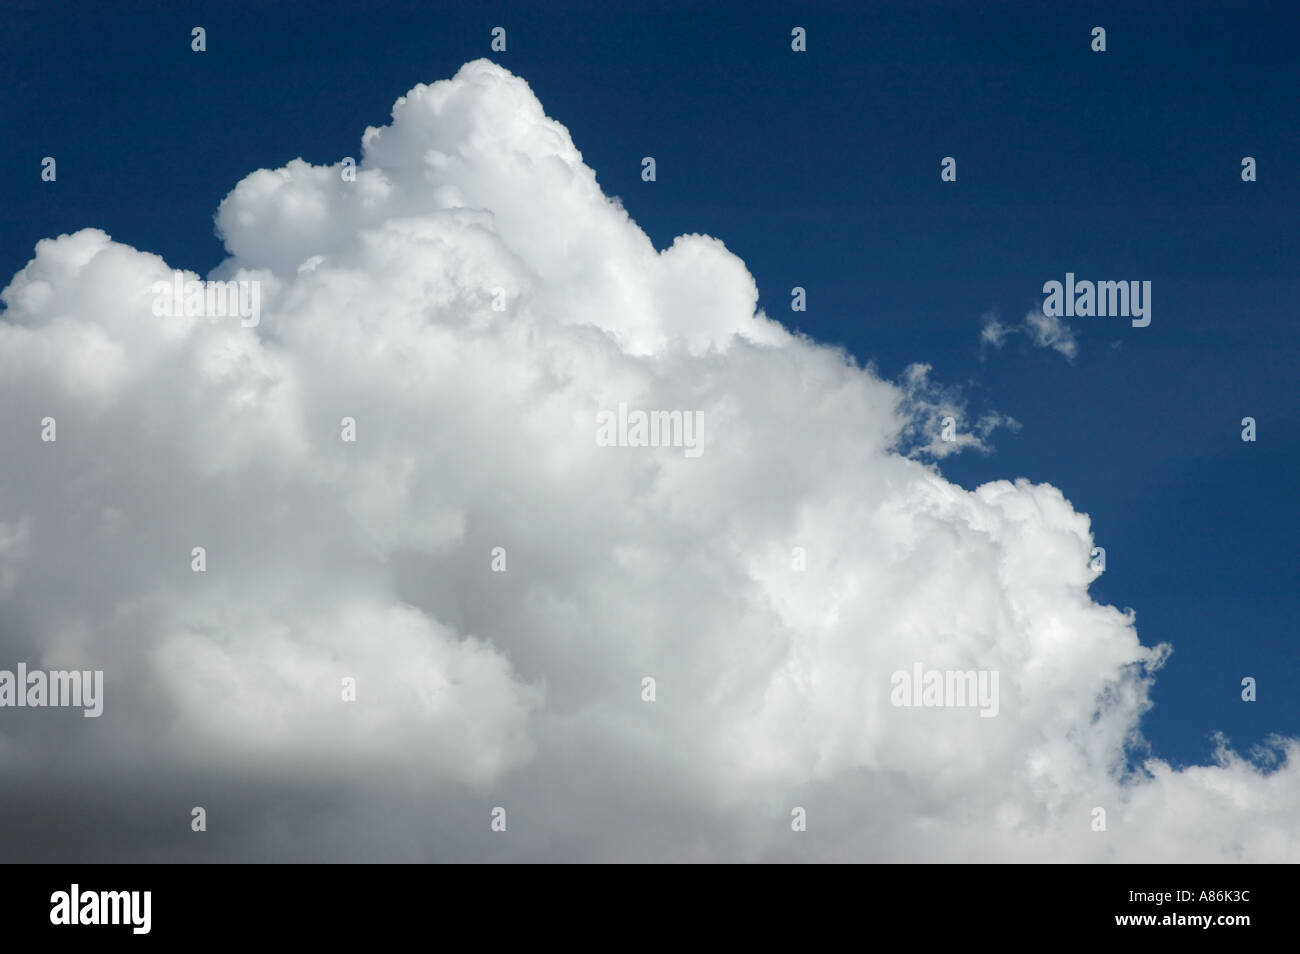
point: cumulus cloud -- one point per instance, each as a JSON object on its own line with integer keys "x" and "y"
{"x": 936, "y": 423}
{"x": 472, "y": 301}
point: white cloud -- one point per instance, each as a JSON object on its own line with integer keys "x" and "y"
{"x": 993, "y": 331}
{"x": 1043, "y": 331}
{"x": 1049, "y": 331}
{"x": 475, "y": 429}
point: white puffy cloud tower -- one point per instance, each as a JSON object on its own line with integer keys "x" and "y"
{"x": 472, "y": 300}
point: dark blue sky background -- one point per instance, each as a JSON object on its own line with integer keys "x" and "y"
{"x": 822, "y": 170}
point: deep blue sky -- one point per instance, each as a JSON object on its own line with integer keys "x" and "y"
{"x": 822, "y": 170}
